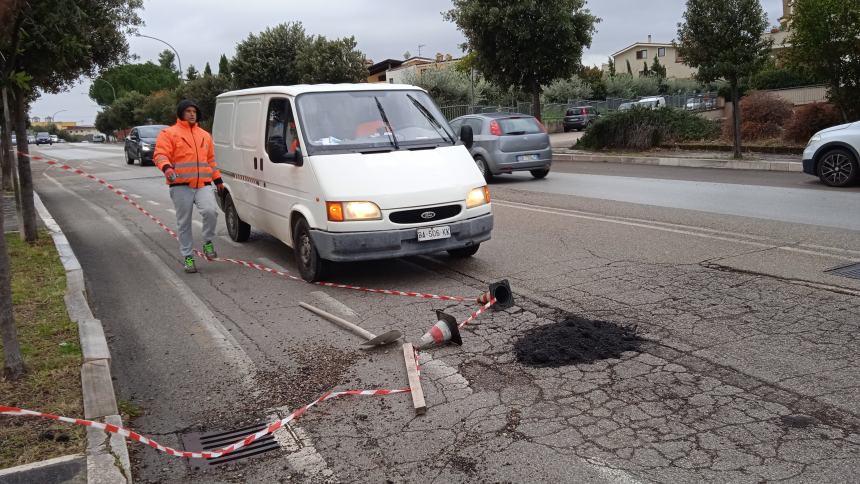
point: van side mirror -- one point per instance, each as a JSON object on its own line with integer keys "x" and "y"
{"x": 278, "y": 153}
{"x": 467, "y": 136}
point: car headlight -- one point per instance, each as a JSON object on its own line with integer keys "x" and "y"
{"x": 815, "y": 137}
{"x": 350, "y": 211}
{"x": 145, "y": 147}
{"x": 478, "y": 196}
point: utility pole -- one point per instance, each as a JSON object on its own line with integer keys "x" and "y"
{"x": 420, "y": 46}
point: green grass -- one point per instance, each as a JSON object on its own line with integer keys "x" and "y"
{"x": 52, "y": 353}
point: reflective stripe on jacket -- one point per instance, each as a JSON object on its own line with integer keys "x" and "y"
{"x": 190, "y": 152}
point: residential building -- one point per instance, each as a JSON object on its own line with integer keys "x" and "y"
{"x": 640, "y": 53}
{"x": 414, "y": 66}
{"x": 82, "y": 130}
{"x": 36, "y": 122}
{"x": 378, "y": 72}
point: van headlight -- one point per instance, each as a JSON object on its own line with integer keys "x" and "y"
{"x": 351, "y": 211}
{"x": 478, "y": 196}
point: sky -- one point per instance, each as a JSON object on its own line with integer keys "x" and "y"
{"x": 202, "y": 30}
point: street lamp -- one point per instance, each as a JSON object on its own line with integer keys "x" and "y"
{"x": 109, "y": 84}
{"x": 54, "y": 116}
{"x": 165, "y": 43}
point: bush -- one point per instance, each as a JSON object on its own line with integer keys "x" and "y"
{"x": 781, "y": 78}
{"x": 641, "y": 128}
{"x": 762, "y": 116}
{"x": 561, "y": 90}
{"x": 628, "y": 87}
{"x": 809, "y": 119}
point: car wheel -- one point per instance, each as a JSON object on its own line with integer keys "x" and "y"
{"x": 464, "y": 252}
{"x": 838, "y": 168}
{"x": 484, "y": 167}
{"x": 541, "y": 173}
{"x": 129, "y": 159}
{"x": 311, "y": 265}
{"x": 238, "y": 230}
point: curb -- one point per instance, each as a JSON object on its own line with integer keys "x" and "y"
{"x": 68, "y": 468}
{"x": 107, "y": 458}
{"x": 786, "y": 166}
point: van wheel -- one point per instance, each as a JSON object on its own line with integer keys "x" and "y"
{"x": 541, "y": 173}
{"x": 464, "y": 252}
{"x": 238, "y": 230}
{"x": 484, "y": 167}
{"x": 311, "y": 266}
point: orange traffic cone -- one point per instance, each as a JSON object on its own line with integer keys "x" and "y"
{"x": 501, "y": 291}
{"x": 443, "y": 331}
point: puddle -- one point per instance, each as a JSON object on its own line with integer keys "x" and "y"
{"x": 575, "y": 340}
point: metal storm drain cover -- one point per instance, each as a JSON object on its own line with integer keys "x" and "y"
{"x": 852, "y": 271}
{"x": 209, "y": 441}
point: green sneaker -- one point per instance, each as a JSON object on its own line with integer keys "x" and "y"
{"x": 209, "y": 250}
{"x": 189, "y": 266}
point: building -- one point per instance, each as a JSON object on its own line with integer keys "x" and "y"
{"x": 414, "y": 66}
{"x": 36, "y": 122}
{"x": 378, "y": 71}
{"x": 644, "y": 52}
{"x": 780, "y": 35}
{"x": 82, "y": 130}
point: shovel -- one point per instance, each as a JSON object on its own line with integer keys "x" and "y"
{"x": 370, "y": 338}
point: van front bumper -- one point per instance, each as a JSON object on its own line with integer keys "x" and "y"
{"x": 344, "y": 247}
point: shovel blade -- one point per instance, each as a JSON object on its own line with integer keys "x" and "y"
{"x": 384, "y": 339}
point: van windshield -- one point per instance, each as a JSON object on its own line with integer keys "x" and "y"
{"x": 359, "y": 121}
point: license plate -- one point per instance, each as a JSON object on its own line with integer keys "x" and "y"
{"x": 528, "y": 157}
{"x": 434, "y": 233}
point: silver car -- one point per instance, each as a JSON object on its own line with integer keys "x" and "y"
{"x": 508, "y": 142}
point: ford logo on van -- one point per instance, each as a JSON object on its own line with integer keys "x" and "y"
{"x": 428, "y": 215}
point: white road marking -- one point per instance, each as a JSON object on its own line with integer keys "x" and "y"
{"x": 301, "y": 453}
{"x": 135, "y": 195}
{"x": 171, "y": 211}
{"x": 197, "y": 223}
{"x": 733, "y": 237}
{"x": 153, "y": 202}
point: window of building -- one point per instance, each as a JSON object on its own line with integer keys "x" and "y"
{"x": 661, "y": 52}
{"x": 642, "y": 54}
{"x": 381, "y": 78}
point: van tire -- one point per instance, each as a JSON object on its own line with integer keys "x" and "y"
{"x": 311, "y": 266}
{"x": 238, "y": 230}
{"x": 464, "y": 252}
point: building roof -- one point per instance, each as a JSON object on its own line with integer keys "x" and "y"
{"x": 308, "y": 88}
{"x": 643, "y": 44}
{"x": 383, "y": 66}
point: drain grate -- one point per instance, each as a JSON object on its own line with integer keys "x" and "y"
{"x": 851, "y": 270}
{"x": 198, "y": 442}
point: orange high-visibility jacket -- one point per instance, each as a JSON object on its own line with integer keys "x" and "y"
{"x": 190, "y": 152}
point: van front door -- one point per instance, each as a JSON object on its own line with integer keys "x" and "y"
{"x": 286, "y": 185}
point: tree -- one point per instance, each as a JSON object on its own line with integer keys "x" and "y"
{"x": 331, "y": 61}
{"x": 645, "y": 71}
{"x": 611, "y": 68}
{"x": 120, "y": 80}
{"x": 159, "y": 107}
{"x": 563, "y": 90}
{"x": 50, "y": 46}
{"x": 207, "y": 71}
{"x": 629, "y": 69}
{"x": 657, "y": 69}
{"x": 167, "y": 59}
{"x": 593, "y": 76}
{"x": 13, "y": 361}
{"x": 723, "y": 39}
{"x": 223, "y": 66}
{"x": 509, "y": 54}
{"x": 825, "y": 39}
{"x": 191, "y": 73}
{"x": 446, "y": 86}
{"x": 204, "y": 91}
{"x": 124, "y": 113}
{"x": 269, "y": 58}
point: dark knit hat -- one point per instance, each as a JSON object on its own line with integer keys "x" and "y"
{"x": 185, "y": 104}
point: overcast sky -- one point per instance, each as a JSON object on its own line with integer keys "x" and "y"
{"x": 201, "y": 30}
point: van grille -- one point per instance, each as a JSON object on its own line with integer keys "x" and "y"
{"x": 423, "y": 215}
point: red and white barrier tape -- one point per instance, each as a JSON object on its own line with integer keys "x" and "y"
{"x": 129, "y": 434}
{"x": 248, "y": 264}
{"x": 477, "y": 313}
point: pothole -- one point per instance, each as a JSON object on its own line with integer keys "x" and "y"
{"x": 575, "y": 340}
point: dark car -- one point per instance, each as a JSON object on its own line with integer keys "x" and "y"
{"x": 508, "y": 142}
{"x": 579, "y": 117}
{"x": 44, "y": 138}
{"x": 140, "y": 143}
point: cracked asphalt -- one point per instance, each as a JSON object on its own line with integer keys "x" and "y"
{"x": 747, "y": 371}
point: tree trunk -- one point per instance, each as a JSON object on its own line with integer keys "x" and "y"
{"x": 13, "y": 366}
{"x": 7, "y": 157}
{"x": 25, "y": 176}
{"x": 736, "y": 118}
{"x": 536, "y": 102}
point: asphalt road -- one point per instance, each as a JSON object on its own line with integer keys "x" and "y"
{"x": 747, "y": 371}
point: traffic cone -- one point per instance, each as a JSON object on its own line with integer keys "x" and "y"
{"x": 502, "y": 292}
{"x": 443, "y": 331}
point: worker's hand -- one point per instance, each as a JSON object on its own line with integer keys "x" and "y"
{"x": 220, "y": 188}
{"x": 170, "y": 175}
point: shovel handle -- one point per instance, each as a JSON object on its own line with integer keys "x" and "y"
{"x": 339, "y": 321}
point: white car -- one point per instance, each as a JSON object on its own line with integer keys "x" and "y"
{"x": 348, "y": 172}
{"x": 833, "y": 155}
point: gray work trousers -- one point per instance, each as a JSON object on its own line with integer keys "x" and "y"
{"x": 184, "y": 198}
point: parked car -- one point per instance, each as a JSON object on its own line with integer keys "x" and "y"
{"x": 99, "y": 138}
{"x": 833, "y": 155}
{"x": 656, "y": 102}
{"x": 31, "y": 139}
{"x": 579, "y": 118}
{"x": 14, "y": 140}
{"x": 140, "y": 143}
{"x": 694, "y": 104}
{"x": 625, "y": 106}
{"x": 360, "y": 172}
{"x": 44, "y": 138}
{"x": 508, "y": 142}
{"x": 55, "y": 139}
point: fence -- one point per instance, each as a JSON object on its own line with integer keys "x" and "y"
{"x": 801, "y": 95}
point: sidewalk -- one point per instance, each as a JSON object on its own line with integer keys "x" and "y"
{"x": 691, "y": 159}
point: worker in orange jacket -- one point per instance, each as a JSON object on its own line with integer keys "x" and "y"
{"x": 186, "y": 155}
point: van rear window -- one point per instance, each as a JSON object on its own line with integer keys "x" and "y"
{"x": 520, "y": 126}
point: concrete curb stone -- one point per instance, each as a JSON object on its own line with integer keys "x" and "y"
{"x": 788, "y": 166}
{"x": 107, "y": 458}
{"x": 67, "y": 469}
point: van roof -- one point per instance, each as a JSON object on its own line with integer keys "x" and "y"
{"x": 306, "y": 88}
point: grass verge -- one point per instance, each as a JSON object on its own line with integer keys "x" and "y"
{"x": 52, "y": 353}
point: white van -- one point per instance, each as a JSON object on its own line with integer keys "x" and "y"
{"x": 348, "y": 172}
